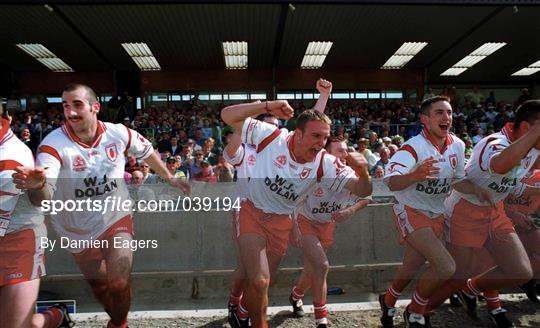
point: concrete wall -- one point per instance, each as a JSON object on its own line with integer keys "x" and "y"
{"x": 197, "y": 241}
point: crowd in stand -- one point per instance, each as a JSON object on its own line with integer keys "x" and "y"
{"x": 191, "y": 138}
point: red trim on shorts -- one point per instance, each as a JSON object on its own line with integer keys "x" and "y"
{"x": 51, "y": 151}
{"x": 411, "y": 150}
{"x": 482, "y": 152}
{"x": 268, "y": 140}
{"x": 9, "y": 165}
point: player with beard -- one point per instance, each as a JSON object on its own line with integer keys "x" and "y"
{"x": 84, "y": 160}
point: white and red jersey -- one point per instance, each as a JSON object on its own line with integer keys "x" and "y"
{"x": 321, "y": 203}
{"x": 244, "y": 160}
{"x": 16, "y": 211}
{"x": 79, "y": 172}
{"x": 478, "y": 169}
{"x": 525, "y": 204}
{"x": 427, "y": 196}
{"x": 278, "y": 182}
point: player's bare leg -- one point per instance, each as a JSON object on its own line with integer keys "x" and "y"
{"x": 17, "y": 304}
{"x": 441, "y": 267}
{"x": 119, "y": 261}
{"x": 255, "y": 260}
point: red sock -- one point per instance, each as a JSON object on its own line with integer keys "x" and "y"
{"x": 297, "y": 293}
{"x": 242, "y": 311}
{"x": 235, "y": 299}
{"x": 54, "y": 317}
{"x": 418, "y": 304}
{"x": 443, "y": 292}
{"x": 472, "y": 288}
{"x": 492, "y": 300}
{"x": 112, "y": 325}
{"x": 320, "y": 310}
{"x": 392, "y": 294}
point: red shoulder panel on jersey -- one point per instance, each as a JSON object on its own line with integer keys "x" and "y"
{"x": 268, "y": 140}
{"x": 410, "y": 150}
{"x": 482, "y": 152}
{"x": 9, "y": 165}
{"x": 51, "y": 151}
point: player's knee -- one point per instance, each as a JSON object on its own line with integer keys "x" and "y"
{"x": 118, "y": 285}
{"x": 321, "y": 269}
{"x": 260, "y": 284}
{"x": 523, "y": 273}
{"x": 445, "y": 270}
{"x": 99, "y": 287}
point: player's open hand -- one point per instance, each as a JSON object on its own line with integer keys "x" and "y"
{"x": 342, "y": 215}
{"x": 182, "y": 185}
{"x": 28, "y": 178}
{"x": 484, "y": 196}
{"x": 281, "y": 109}
{"x": 324, "y": 86}
{"x": 522, "y": 221}
{"x": 426, "y": 170}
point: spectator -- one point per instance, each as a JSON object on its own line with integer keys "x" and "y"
{"x": 379, "y": 172}
{"x": 132, "y": 164}
{"x": 172, "y": 166}
{"x": 393, "y": 149}
{"x": 195, "y": 166}
{"x": 525, "y": 95}
{"x": 175, "y": 147}
{"x": 205, "y": 174}
{"x": 475, "y": 96}
{"x": 429, "y": 94}
{"x": 223, "y": 170}
{"x": 209, "y": 156}
{"x": 164, "y": 144}
{"x": 198, "y": 137}
{"x": 364, "y": 150}
{"x": 148, "y": 177}
{"x": 27, "y": 139}
{"x": 384, "y": 154}
{"x": 479, "y": 136}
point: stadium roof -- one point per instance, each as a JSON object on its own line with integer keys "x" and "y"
{"x": 88, "y": 35}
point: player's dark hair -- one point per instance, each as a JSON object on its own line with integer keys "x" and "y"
{"x": 92, "y": 97}
{"x": 331, "y": 140}
{"x": 529, "y": 112}
{"x": 311, "y": 115}
{"x": 426, "y": 104}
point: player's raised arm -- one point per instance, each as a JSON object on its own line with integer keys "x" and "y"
{"x": 527, "y": 135}
{"x": 325, "y": 89}
{"x": 235, "y": 115}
